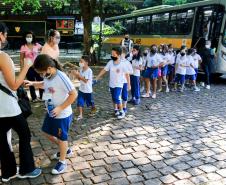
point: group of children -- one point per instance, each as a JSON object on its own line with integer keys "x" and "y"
{"x": 126, "y": 70}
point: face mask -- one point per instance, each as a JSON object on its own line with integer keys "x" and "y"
{"x": 182, "y": 54}
{"x": 160, "y": 50}
{"x": 126, "y": 38}
{"x": 29, "y": 40}
{"x": 57, "y": 41}
{"x": 3, "y": 44}
{"x": 114, "y": 58}
{"x": 208, "y": 46}
{"x": 81, "y": 65}
{"x": 153, "y": 51}
{"x": 145, "y": 54}
{"x": 48, "y": 76}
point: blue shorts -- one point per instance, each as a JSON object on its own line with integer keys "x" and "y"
{"x": 116, "y": 95}
{"x": 164, "y": 70}
{"x": 179, "y": 78}
{"x": 125, "y": 92}
{"x": 151, "y": 73}
{"x": 171, "y": 69}
{"x": 191, "y": 77}
{"x": 196, "y": 72}
{"x": 85, "y": 98}
{"x": 57, "y": 127}
{"x": 143, "y": 73}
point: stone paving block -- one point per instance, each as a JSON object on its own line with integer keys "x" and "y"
{"x": 152, "y": 175}
{"x": 117, "y": 174}
{"x": 87, "y": 173}
{"x": 200, "y": 179}
{"x": 181, "y": 166}
{"x": 183, "y": 182}
{"x": 208, "y": 168}
{"x": 99, "y": 155}
{"x": 87, "y": 182}
{"x": 222, "y": 172}
{"x": 167, "y": 170}
{"x": 74, "y": 182}
{"x": 71, "y": 176}
{"x": 38, "y": 180}
{"x": 146, "y": 168}
{"x": 182, "y": 175}
{"x": 139, "y": 155}
{"x": 100, "y": 178}
{"x": 213, "y": 176}
{"x": 141, "y": 161}
{"x": 53, "y": 179}
{"x": 119, "y": 181}
{"x": 153, "y": 182}
{"x": 168, "y": 179}
{"x": 127, "y": 164}
{"x": 96, "y": 163}
{"x": 126, "y": 151}
{"x": 132, "y": 171}
{"x": 111, "y": 160}
{"x": 127, "y": 157}
{"x": 135, "y": 178}
{"x": 99, "y": 170}
{"x": 81, "y": 165}
{"x": 113, "y": 167}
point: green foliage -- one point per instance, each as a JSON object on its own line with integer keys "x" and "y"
{"x": 116, "y": 29}
{"x": 148, "y": 3}
{"x": 34, "y": 5}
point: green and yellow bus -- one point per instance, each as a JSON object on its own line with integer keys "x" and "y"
{"x": 189, "y": 24}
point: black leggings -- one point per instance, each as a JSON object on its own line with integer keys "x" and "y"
{"x": 7, "y": 158}
{"x": 32, "y": 75}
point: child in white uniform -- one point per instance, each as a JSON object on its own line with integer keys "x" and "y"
{"x": 118, "y": 70}
{"x": 181, "y": 64}
{"x": 59, "y": 94}
{"x": 197, "y": 61}
{"x": 85, "y": 93}
{"x": 190, "y": 70}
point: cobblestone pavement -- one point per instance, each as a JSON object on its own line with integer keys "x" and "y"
{"x": 177, "y": 139}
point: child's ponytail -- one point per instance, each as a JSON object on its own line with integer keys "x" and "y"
{"x": 43, "y": 61}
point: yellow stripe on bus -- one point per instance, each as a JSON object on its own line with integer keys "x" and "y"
{"x": 176, "y": 42}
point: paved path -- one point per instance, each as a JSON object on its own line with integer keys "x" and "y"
{"x": 177, "y": 139}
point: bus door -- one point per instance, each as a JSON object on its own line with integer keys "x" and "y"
{"x": 207, "y": 25}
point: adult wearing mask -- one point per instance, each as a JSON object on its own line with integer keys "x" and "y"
{"x": 127, "y": 43}
{"x": 29, "y": 51}
{"x": 207, "y": 56}
{"x": 51, "y": 46}
{"x": 11, "y": 118}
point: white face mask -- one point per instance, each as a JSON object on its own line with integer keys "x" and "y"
{"x": 81, "y": 65}
{"x": 29, "y": 40}
{"x": 57, "y": 41}
{"x": 207, "y": 46}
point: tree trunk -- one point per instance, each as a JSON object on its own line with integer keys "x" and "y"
{"x": 100, "y": 33}
{"x": 87, "y": 7}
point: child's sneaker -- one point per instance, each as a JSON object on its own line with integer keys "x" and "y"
{"x": 79, "y": 118}
{"x": 59, "y": 168}
{"x": 167, "y": 90}
{"x": 154, "y": 96}
{"x": 125, "y": 110}
{"x": 117, "y": 112}
{"x": 208, "y": 87}
{"x": 8, "y": 179}
{"x": 147, "y": 95}
{"x": 137, "y": 102}
{"x": 68, "y": 155}
{"x": 121, "y": 115}
{"x": 32, "y": 174}
{"x": 160, "y": 90}
{"x": 196, "y": 89}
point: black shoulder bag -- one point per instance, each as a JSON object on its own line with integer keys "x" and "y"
{"x": 22, "y": 98}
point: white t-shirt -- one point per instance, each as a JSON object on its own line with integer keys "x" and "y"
{"x": 129, "y": 68}
{"x": 190, "y": 70}
{"x": 88, "y": 75}
{"x": 164, "y": 58}
{"x": 172, "y": 58}
{"x": 9, "y": 106}
{"x": 196, "y": 58}
{"x": 135, "y": 64}
{"x": 117, "y": 73}
{"x": 181, "y": 61}
{"x": 57, "y": 89}
{"x": 153, "y": 60}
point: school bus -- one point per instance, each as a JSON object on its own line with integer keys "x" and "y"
{"x": 189, "y": 24}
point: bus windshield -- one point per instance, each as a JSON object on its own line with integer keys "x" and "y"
{"x": 224, "y": 35}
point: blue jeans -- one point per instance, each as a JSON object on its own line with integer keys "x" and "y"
{"x": 135, "y": 86}
{"x": 207, "y": 71}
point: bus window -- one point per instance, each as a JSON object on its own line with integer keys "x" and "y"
{"x": 159, "y": 24}
{"x": 130, "y": 25}
{"x": 172, "y": 24}
{"x": 142, "y": 25}
{"x": 184, "y": 22}
{"x": 224, "y": 36}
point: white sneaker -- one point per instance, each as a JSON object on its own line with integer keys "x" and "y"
{"x": 202, "y": 84}
{"x": 207, "y": 86}
{"x": 154, "y": 96}
{"x": 167, "y": 90}
{"x": 160, "y": 90}
{"x": 142, "y": 89}
{"x": 146, "y": 95}
{"x": 121, "y": 115}
{"x": 196, "y": 89}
